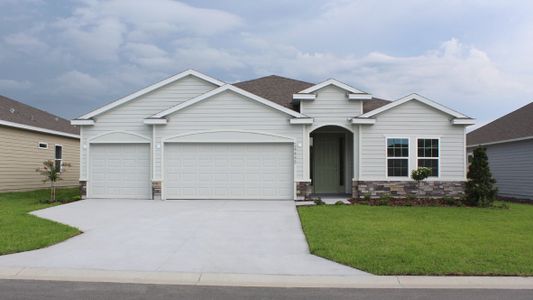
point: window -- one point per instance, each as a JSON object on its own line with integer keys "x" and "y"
{"x": 397, "y": 157}
{"x": 428, "y": 155}
{"x": 42, "y": 145}
{"x": 58, "y": 158}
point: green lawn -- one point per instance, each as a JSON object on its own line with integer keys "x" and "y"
{"x": 423, "y": 240}
{"x": 20, "y": 231}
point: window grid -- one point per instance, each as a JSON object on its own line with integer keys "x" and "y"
{"x": 397, "y": 157}
{"x": 428, "y": 155}
{"x": 58, "y": 158}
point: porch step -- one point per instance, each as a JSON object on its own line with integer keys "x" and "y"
{"x": 304, "y": 203}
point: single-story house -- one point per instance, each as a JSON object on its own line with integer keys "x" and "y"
{"x": 509, "y": 144}
{"x": 30, "y": 136}
{"x": 192, "y": 136}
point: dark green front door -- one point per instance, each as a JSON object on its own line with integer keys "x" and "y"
{"x": 326, "y": 163}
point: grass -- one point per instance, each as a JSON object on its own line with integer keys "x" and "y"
{"x": 20, "y": 231}
{"x": 423, "y": 240}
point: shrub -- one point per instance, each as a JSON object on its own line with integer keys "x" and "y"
{"x": 420, "y": 174}
{"x": 52, "y": 173}
{"x": 318, "y": 201}
{"x": 480, "y": 189}
{"x": 339, "y": 203}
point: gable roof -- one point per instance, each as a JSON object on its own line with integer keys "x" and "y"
{"x": 227, "y": 87}
{"x": 412, "y": 97}
{"x": 334, "y": 82}
{"x": 16, "y": 114}
{"x": 374, "y": 103}
{"x": 513, "y": 126}
{"x": 149, "y": 89}
{"x": 274, "y": 88}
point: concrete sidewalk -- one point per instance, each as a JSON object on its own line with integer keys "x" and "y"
{"x": 253, "y": 280}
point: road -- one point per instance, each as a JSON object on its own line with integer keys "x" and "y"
{"x": 57, "y": 290}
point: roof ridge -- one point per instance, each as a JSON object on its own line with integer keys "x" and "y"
{"x": 275, "y": 76}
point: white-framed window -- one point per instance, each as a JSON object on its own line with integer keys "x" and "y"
{"x": 58, "y": 158}
{"x": 397, "y": 157}
{"x": 42, "y": 145}
{"x": 428, "y": 154}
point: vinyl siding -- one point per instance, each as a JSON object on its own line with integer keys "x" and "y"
{"x": 331, "y": 107}
{"x": 511, "y": 165}
{"x": 21, "y": 156}
{"x": 230, "y": 111}
{"x": 413, "y": 120}
{"x": 130, "y": 116}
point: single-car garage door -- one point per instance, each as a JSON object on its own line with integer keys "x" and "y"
{"x": 119, "y": 171}
{"x": 228, "y": 171}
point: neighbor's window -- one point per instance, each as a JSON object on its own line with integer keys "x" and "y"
{"x": 42, "y": 145}
{"x": 428, "y": 155}
{"x": 58, "y": 157}
{"x": 397, "y": 157}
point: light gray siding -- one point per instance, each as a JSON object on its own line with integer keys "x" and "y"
{"x": 229, "y": 111}
{"x": 412, "y": 120}
{"x": 511, "y": 165}
{"x": 331, "y": 107}
{"x": 130, "y": 117}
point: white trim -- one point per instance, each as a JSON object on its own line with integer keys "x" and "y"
{"x": 463, "y": 121}
{"x": 410, "y": 98}
{"x": 438, "y": 158}
{"x": 398, "y": 157}
{"x": 155, "y": 121}
{"x": 331, "y": 124}
{"x": 334, "y": 82}
{"x": 363, "y": 121}
{"x": 151, "y": 88}
{"x": 39, "y": 145}
{"x": 500, "y": 142}
{"x": 359, "y": 96}
{"x": 303, "y": 96}
{"x": 228, "y": 87}
{"x": 81, "y": 122}
{"x": 148, "y": 139}
{"x": 301, "y": 121}
{"x": 38, "y": 129}
{"x": 287, "y": 138}
{"x": 360, "y": 147}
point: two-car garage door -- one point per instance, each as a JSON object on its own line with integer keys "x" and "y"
{"x": 228, "y": 171}
{"x": 194, "y": 171}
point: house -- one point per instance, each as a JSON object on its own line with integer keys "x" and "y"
{"x": 192, "y": 136}
{"x": 30, "y": 136}
{"x": 509, "y": 144}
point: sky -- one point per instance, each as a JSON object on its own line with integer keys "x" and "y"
{"x": 69, "y": 57}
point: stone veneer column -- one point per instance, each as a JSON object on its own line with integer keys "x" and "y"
{"x": 156, "y": 190}
{"x": 303, "y": 190}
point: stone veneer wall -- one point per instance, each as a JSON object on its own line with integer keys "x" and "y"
{"x": 83, "y": 189}
{"x": 156, "y": 190}
{"x": 402, "y": 189}
{"x": 303, "y": 190}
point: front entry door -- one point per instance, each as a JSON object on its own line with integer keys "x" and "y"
{"x": 326, "y": 163}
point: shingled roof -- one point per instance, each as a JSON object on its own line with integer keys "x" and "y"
{"x": 280, "y": 90}
{"x": 515, "y": 125}
{"x": 20, "y": 113}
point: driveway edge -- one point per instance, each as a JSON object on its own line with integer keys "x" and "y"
{"x": 254, "y": 280}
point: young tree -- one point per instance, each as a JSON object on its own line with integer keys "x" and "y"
{"x": 480, "y": 189}
{"x": 419, "y": 175}
{"x": 52, "y": 174}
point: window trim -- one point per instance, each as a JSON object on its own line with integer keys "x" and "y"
{"x": 438, "y": 153}
{"x": 408, "y": 157}
{"x": 39, "y": 145}
{"x": 60, "y": 159}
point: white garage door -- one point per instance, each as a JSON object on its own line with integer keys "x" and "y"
{"x": 119, "y": 171}
{"x": 228, "y": 171}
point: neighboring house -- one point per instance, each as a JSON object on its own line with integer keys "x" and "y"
{"x": 509, "y": 144}
{"x": 195, "y": 137}
{"x": 28, "y": 137}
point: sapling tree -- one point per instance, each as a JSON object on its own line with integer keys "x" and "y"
{"x": 52, "y": 173}
{"x": 419, "y": 175}
{"x": 480, "y": 189}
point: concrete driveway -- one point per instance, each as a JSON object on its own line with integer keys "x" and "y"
{"x": 210, "y": 236}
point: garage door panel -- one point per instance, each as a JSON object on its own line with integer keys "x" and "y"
{"x": 119, "y": 171}
{"x": 228, "y": 171}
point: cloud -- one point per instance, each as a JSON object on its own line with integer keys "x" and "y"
{"x": 75, "y": 83}
{"x": 9, "y": 84}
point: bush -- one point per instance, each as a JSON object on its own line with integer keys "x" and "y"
{"x": 384, "y": 199}
{"x": 480, "y": 189}
{"x": 339, "y": 203}
{"x": 318, "y": 201}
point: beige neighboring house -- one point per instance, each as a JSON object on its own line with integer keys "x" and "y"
{"x": 29, "y": 136}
